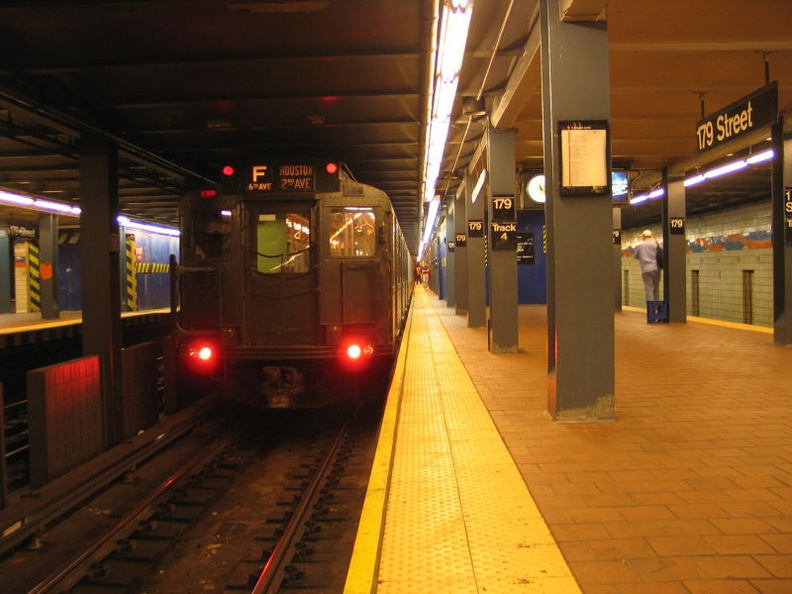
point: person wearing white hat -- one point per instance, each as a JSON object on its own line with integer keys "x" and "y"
{"x": 646, "y": 254}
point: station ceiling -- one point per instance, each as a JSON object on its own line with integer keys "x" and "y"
{"x": 186, "y": 87}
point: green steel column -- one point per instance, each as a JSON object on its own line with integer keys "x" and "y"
{"x": 450, "y": 264}
{"x": 617, "y": 257}
{"x": 5, "y": 272}
{"x": 460, "y": 250}
{"x": 48, "y": 266}
{"x": 502, "y": 210}
{"x": 580, "y": 332}
{"x": 781, "y": 193}
{"x": 675, "y": 272}
{"x": 100, "y": 246}
{"x": 477, "y": 308}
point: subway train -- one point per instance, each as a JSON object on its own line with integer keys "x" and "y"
{"x": 293, "y": 286}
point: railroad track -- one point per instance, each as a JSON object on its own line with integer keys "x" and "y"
{"x": 290, "y": 521}
{"x": 59, "y": 532}
{"x": 310, "y": 509}
{"x": 272, "y": 505}
{"x": 93, "y": 564}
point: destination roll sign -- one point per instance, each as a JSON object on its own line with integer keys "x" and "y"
{"x": 747, "y": 115}
{"x": 280, "y": 177}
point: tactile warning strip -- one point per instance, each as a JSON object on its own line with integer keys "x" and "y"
{"x": 459, "y": 517}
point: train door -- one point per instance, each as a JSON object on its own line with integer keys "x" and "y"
{"x": 282, "y": 309}
{"x": 355, "y": 273}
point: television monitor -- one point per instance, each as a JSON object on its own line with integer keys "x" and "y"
{"x": 620, "y": 184}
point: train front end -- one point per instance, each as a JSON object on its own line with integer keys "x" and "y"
{"x": 285, "y": 286}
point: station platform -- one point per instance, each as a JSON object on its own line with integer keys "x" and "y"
{"x": 14, "y": 323}
{"x": 23, "y": 322}
{"x": 475, "y": 488}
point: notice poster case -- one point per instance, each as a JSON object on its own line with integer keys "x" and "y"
{"x": 585, "y": 158}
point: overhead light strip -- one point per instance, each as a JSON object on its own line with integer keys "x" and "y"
{"x": 38, "y": 203}
{"x": 68, "y": 209}
{"x": 454, "y": 25}
{"x": 719, "y": 171}
{"x": 130, "y": 224}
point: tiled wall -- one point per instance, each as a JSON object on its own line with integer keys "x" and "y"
{"x": 730, "y": 255}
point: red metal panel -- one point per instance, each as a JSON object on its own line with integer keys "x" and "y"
{"x": 66, "y": 422}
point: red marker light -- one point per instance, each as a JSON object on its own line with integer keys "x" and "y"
{"x": 208, "y": 193}
{"x": 331, "y": 168}
{"x": 228, "y": 171}
{"x": 203, "y": 357}
{"x": 354, "y": 351}
{"x": 203, "y": 353}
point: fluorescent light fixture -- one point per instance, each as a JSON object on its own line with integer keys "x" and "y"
{"x": 760, "y": 157}
{"x": 38, "y": 203}
{"x": 445, "y": 93}
{"x": 53, "y": 206}
{"x": 479, "y": 184}
{"x": 431, "y": 219}
{"x": 724, "y": 169}
{"x": 454, "y": 25}
{"x": 130, "y": 224}
{"x": 765, "y": 155}
{"x": 656, "y": 193}
{"x": 60, "y": 207}
{"x": 453, "y": 36}
{"x": 10, "y": 198}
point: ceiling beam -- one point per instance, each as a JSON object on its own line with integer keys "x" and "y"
{"x": 524, "y": 81}
{"x": 365, "y": 54}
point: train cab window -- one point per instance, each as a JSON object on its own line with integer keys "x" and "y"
{"x": 283, "y": 243}
{"x": 210, "y": 234}
{"x": 353, "y": 232}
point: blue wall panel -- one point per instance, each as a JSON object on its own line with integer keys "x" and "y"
{"x": 532, "y": 278}
{"x": 153, "y": 284}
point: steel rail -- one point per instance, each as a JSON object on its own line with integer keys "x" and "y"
{"x": 70, "y": 575}
{"x": 28, "y": 526}
{"x": 274, "y": 565}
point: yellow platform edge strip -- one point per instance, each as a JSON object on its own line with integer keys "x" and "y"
{"x": 363, "y": 567}
{"x": 713, "y": 322}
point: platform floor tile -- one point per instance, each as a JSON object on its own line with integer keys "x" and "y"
{"x": 459, "y": 517}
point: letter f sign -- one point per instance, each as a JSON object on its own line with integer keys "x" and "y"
{"x": 259, "y": 171}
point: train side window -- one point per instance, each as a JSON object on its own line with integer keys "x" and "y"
{"x": 353, "y": 232}
{"x": 283, "y": 243}
{"x": 211, "y": 234}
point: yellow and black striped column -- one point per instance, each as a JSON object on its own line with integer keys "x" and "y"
{"x": 153, "y": 268}
{"x": 131, "y": 274}
{"x": 69, "y": 237}
{"x": 34, "y": 276}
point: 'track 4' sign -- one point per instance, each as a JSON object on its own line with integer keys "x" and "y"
{"x": 741, "y": 117}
